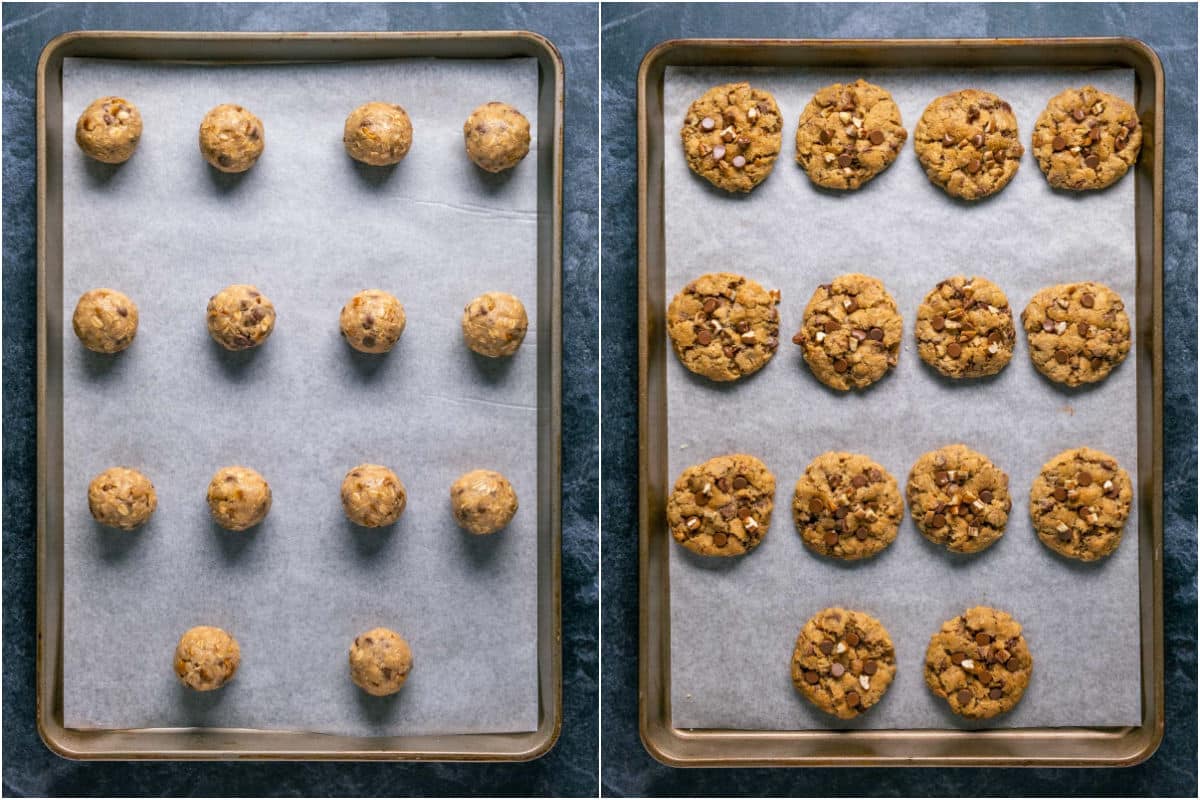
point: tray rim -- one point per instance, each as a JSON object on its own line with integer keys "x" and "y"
{"x": 217, "y": 743}
{"x": 677, "y": 747}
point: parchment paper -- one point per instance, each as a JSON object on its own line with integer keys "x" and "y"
{"x": 734, "y": 622}
{"x": 310, "y": 228}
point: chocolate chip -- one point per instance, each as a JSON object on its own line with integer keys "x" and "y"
{"x": 941, "y": 477}
{"x": 704, "y": 337}
{"x": 224, "y": 160}
{"x": 1092, "y": 161}
{"x": 986, "y": 495}
{"x": 1094, "y": 134}
{"x": 1084, "y": 478}
{"x": 1048, "y": 325}
{"x": 742, "y": 326}
{"x": 710, "y": 305}
{"x": 826, "y": 646}
{"x": 938, "y": 323}
{"x": 811, "y": 677}
{"x": 1064, "y": 536}
{"x": 1130, "y": 124}
{"x": 1062, "y": 356}
{"x": 798, "y": 337}
{"x": 876, "y": 137}
{"x": 860, "y": 335}
{"x": 947, "y": 140}
{"x": 861, "y": 534}
{"x": 1060, "y": 494}
{"x": 957, "y": 658}
{"x": 1120, "y": 143}
{"x": 870, "y": 668}
{"x": 996, "y": 693}
{"x": 720, "y": 539}
{"x": 840, "y": 512}
{"x": 999, "y": 155}
{"x": 1078, "y": 114}
{"x": 743, "y": 513}
{"x": 982, "y": 639}
{"x": 974, "y": 165}
{"x": 852, "y": 699}
{"x": 815, "y": 506}
{"x": 740, "y": 482}
{"x": 858, "y": 481}
{"x": 739, "y": 161}
{"x": 825, "y": 137}
{"x": 954, "y": 350}
{"x": 832, "y": 326}
{"x": 840, "y": 366}
{"x": 708, "y": 123}
{"x": 851, "y": 306}
{"x": 977, "y": 140}
{"x": 718, "y": 153}
{"x": 1084, "y": 329}
{"x": 830, "y": 538}
{"x": 964, "y": 696}
{"x": 875, "y": 334}
{"x": 1059, "y": 143}
{"x": 837, "y": 670}
{"x": 851, "y": 638}
{"x": 1012, "y": 665}
{"x": 844, "y": 160}
{"x": 938, "y": 521}
{"x": 1087, "y": 300}
{"x": 1097, "y": 363}
{"x": 723, "y": 484}
{"x": 122, "y": 311}
{"x": 699, "y": 499}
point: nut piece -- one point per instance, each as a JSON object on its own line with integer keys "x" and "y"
{"x": 121, "y": 498}
{"x": 238, "y": 498}
{"x": 105, "y": 320}
{"x": 494, "y": 324}
{"x": 496, "y": 136}
{"x": 240, "y": 317}
{"x": 372, "y": 496}
{"x": 372, "y": 321}
{"x": 378, "y": 134}
{"x": 206, "y": 658}
{"x": 483, "y": 501}
{"x": 380, "y": 661}
{"x": 231, "y": 138}
{"x": 109, "y": 129}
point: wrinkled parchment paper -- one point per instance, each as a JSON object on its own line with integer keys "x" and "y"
{"x": 310, "y": 227}
{"x": 734, "y": 622}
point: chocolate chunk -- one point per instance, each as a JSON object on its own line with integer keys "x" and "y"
{"x": 728, "y": 512}
{"x": 826, "y": 137}
{"x": 871, "y": 667}
{"x": 982, "y": 639}
{"x": 1087, "y": 300}
{"x": 826, "y": 646}
{"x": 858, "y": 481}
{"x": 1060, "y": 494}
{"x": 1048, "y": 326}
{"x": 1084, "y": 478}
{"x": 710, "y": 305}
{"x": 837, "y": 670}
{"x": 876, "y": 137}
{"x": 1092, "y": 161}
{"x": 815, "y": 506}
{"x": 811, "y": 677}
{"x": 743, "y": 513}
{"x": 831, "y": 538}
{"x": 996, "y": 693}
{"x": 851, "y": 639}
{"x": 964, "y": 696}
{"x": 1059, "y": 143}
{"x": 1012, "y": 665}
{"x": 957, "y": 658}
{"x": 704, "y": 337}
{"x": 740, "y": 482}
{"x": 1078, "y": 114}
{"x": 720, "y": 539}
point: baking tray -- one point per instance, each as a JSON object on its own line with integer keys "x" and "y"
{"x": 227, "y": 48}
{"x": 1041, "y": 747}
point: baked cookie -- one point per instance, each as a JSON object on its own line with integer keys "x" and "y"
{"x": 847, "y": 506}
{"x": 494, "y": 324}
{"x": 121, "y": 498}
{"x": 965, "y": 328}
{"x": 843, "y": 662}
{"x": 496, "y": 136}
{"x": 238, "y": 498}
{"x": 968, "y": 144}
{"x": 109, "y": 129}
{"x": 231, "y": 138}
{"x": 206, "y": 658}
{"x": 851, "y": 333}
{"x": 378, "y": 134}
{"x": 958, "y": 499}
{"x": 848, "y": 134}
{"x": 483, "y": 501}
{"x": 724, "y": 326}
{"x": 723, "y": 506}
{"x": 380, "y": 661}
{"x": 1086, "y": 139}
{"x": 372, "y": 321}
{"x": 372, "y": 496}
{"x": 1078, "y": 332}
{"x": 105, "y": 320}
{"x": 732, "y": 135}
{"x": 979, "y": 663}
{"x": 1079, "y": 503}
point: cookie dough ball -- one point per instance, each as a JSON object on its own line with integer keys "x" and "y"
{"x": 231, "y": 138}
{"x": 494, "y": 324}
{"x": 965, "y": 328}
{"x": 483, "y": 501}
{"x": 240, "y": 317}
{"x": 372, "y": 321}
{"x": 979, "y": 663}
{"x": 497, "y": 136}
{"x": 121, "y": 498}
{"x": 732, "y": 135}
{"x": 959, "y": 499}
{"x": 1078, "y": 332}
{"x": 380, "y": 661}
{"x": 206, "y": 658}
{"x": 848, "y": 134}
{"x": 109, "y": 129}
{"x": 1086, "y": 139}
{"x": 847, "y": 506}
{"x": 843, "y": 662}
{"x": 238, "y": 498}
{"x": 968, "y": 144}
{"x": 723, "y": 506}
{"x": 378, "y": 134}
{"x": 724, "y": 326}
{"x": 105, "y": 320}
{"x": 851, "y": 333}
{"x": 372, "y": 496}
{"x": 1079, "y": 503}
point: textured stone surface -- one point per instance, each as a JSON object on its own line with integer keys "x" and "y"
{"x": 569, "y": 769}
{"x": 631, "y": 30}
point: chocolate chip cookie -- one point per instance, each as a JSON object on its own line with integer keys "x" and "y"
{"x": 968, "y": 144}
{"x": 731, "y": 136}
{"x": 1079, "y": 503}
{"x": 846, "y": 506}
{"x": 1086, "y": 139}
{"x": 1078, "y": 332}
{"x": 848, "y": 134}
{"x": 843, "y": 662}
{"x": 965, "y": 328}
{"x": 851, "y": 334}
{"x": 723, "y": 506}
{"x": 979, "y": 663}
{"x": 724, "y": 326}
{"x": 959, "y": 499}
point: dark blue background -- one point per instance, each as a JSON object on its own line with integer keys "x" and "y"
{"x": 570, "y": 768}
{"x": 631, "y": 30}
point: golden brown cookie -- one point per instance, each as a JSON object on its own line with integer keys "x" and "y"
{"x": 959, "y": 499}
{"x": 483, "y": 501}
{"x": 851, "y": 333}
{"x": 1078, "y": 332}
{"x": 231, "y": 138}
{"x": 105, "y": 320}
{"x": 1079, "y": 503}
{"x": 380, "y": 661}
{"x": 496, "y": 136}
{"x": 724, "y": 326}
{"x": 109, "y": 130}
{"x": 121, "y": 498}
{"x": 1086, "y": 139}
{"x": 967, "y": 142}
{"x": 843, "y": 662}
{"x": 732, "y": 135}
{"x": 206, "y": 658}
{"x": 238, "y": 498}
{"x": 965, "y": 328}
{"x": 372, "y": 321}
{"x": 979, "y": 663}
{"x": 723, "y": 506}
{"x": 494, "y": 324}
{"x": 378, "y": 134}
{"x": 848, "y": 134}
{"x": 372, "y": 496}
{"x": 240, "y": 317}
{"x": 846, "y": 506}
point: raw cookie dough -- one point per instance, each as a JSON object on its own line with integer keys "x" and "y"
{"x": 843, "y": 662}
{"x": 723, "y": 506}
{"x": 1086, "y": 139}
{"x": 847, "y": 506}
{"x": 109, "y": 129}
{"x": 121, "y": 498}
{"x": 372, "y": 321}
{"x": 105, "y": 320}
{"x": 968, "y": 143}
{"x": 378, "y": 134}
{"x": 965, "y": 328}
{"x": 958, "y": 499}
{"x": 1079, "y": 503}
{"x": 231, "y": 138}
{"x": 483, "y": 501}
{"x": 238, "y": 498}
{"x": 848, "y": 134}
{"x": 372, "y": 496}
{"x": 206, "y": 658}
{"x": 494, "y": 324}
{"x": 240, "y": 317}
{"x": 731, "y": 136}
{"x": 380, "y": 661}
{"x": 851, "y": 334}
{"x": 724, "y": 326}
{"x": 496, "y": 136}
{"x": 979, "y": 663}
{"x": 1078, "y": 332}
